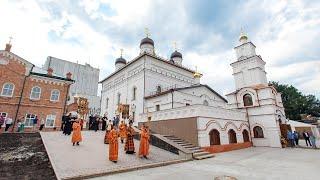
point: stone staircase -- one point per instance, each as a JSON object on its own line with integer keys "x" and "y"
{"x": 197, "y": 152}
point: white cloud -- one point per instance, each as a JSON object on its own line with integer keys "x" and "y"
{"x": 289, "y": 31}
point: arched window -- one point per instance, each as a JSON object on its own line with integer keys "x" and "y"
{"x": 258, "y": 132}
{"x": 247, "y": 100}
{"x": 214, "y": 137}
{"x": 107, "y": 103}
{"x": 232, "y": 136}
{"x": 55, "y": 95}
{"x": 245, "y": 135}
{"x": 158, "y": 89}
{"x": 134, "y": 93}
{"x": 35, "y": 92}
{"x": 205, "y": 102}
{"x": 119, "y": 98}
{"x": 7, "y": 89}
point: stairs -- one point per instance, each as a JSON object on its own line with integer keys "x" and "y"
{"x": 197, "y": 152}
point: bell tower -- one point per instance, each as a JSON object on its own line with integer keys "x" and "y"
{"x": 249, "y": 68}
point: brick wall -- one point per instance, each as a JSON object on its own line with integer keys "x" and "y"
{"x": 14, "y": 70}
{"x": 227, "y": 147}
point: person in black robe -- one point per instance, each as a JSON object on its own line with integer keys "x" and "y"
{"x": 95, "y": 123}
{"x": 104, "y": 123}
{"x": 90, "y": 122}
{"x": 68, "y": 125}
{"x": 63, "y": 122}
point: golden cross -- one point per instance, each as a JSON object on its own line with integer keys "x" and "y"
{"x": 175, "y": 45}
{"x": 10, "y": 38}
{"x": 146, "y": 31}
{"x": 121, "y": 52}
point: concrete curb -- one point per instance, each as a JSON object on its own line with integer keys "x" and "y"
{"x": 147, "y": 166}
{"x": 50, "y": 159}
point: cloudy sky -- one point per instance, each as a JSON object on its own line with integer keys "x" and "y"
{"x": 286, "y": 33}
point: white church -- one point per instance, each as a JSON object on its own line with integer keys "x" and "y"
{"x": 172, "y": 100}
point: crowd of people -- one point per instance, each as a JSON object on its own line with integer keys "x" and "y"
{"x": 113, "y": 132}
{"x": 20, "y": 124}
{"x": 293, "y": 138}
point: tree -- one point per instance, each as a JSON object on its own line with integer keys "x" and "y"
{"x": 295, "y": 103}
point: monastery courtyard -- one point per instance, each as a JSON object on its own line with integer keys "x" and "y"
{"x": 90, "y": 158}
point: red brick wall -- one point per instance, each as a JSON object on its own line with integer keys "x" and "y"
{"x": 14, "y": 72}
{"x": 227, "y": 147}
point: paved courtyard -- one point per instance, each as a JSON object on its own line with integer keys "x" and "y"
{"x": 91, "y": 157}
{"x": 245, "y": 164}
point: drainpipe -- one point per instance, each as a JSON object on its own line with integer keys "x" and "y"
{"x": 20, "y": 98}
{"x": 66, "y": 99}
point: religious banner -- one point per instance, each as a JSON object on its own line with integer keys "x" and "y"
{"x": 125, "y": 111}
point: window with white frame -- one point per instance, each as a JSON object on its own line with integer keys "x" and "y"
{"x": 7, "y": 90}
{"x": 50, "y": 120}
{"x": 35, "y": 92}
{"x": 55, "y": 95}
{"x": 29, "y": 120}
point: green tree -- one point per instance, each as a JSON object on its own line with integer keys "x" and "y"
{"x": 295, "y": 103}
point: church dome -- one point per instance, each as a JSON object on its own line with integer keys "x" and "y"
{"x": 176, "y": 54}
{"x": 121, "y": 60}
{"x": 146, "y": 40}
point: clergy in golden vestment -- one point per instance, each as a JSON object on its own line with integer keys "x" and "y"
{"x": 122, "y": 131}
{"x": 144, "y": 142}
{"x": 113, "y": 145}
{"x": 76, "y": 133}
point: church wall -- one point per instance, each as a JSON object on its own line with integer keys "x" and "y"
{"x": 123, "y": 83}
{"x": 165, "y": 75}
{"x": 206, "y": 124}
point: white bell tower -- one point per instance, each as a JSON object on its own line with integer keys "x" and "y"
{"x": 249, "y": 68}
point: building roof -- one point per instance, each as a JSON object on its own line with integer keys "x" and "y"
{"x": 176, "y": 54}
{"x": 121, "y": 60}
{"x": 188, "y": 87}
{"x": 256, "y": 87}
{"x": 146, "y": 54}
{"x": 53, "y": 76}
{"x": 146, "y": 40}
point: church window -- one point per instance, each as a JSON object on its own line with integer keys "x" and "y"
{"x": 35, "y": 93}
{"x": 7, "y": 90}
{"x": 232, "y": 136}
{"x": 214, "y": 137}
{"x": 157, "y": 107}
{"x": 119, "y": 98}
{"x": 247, "y": 100}
{"x": 55, "y": 95}
{"x": 205, "y": 102}
{"x": 245, "y": 135}
{"x": 158, "y": 89}
{"x": 107, "y": 103}
{"x": 258, "y": 132}
{"x": 187, "y": 104}
{"x": 134, "y": 93}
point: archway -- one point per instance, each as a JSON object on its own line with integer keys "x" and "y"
{"x": 245, "y": 135}
{"x": 214, "y": 137}
{"x": 232, "y": 136}
{"x": 258, "y": 132}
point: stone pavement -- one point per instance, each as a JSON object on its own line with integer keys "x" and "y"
{"x": 91, "y": 157}
{"x": 246, "y": 164}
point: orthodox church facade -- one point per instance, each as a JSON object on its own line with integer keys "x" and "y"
{"x": 171, "y": 99}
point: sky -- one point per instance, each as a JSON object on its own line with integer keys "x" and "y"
{"x": 286, "y": 34}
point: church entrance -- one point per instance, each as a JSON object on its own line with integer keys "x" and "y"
{"x": 214, "y": 137}
{"x": 232, "y": 136}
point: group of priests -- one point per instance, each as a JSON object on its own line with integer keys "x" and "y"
{"x": 113, "y": 133}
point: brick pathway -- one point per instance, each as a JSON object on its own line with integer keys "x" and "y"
{"x": 91, "y": 157}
